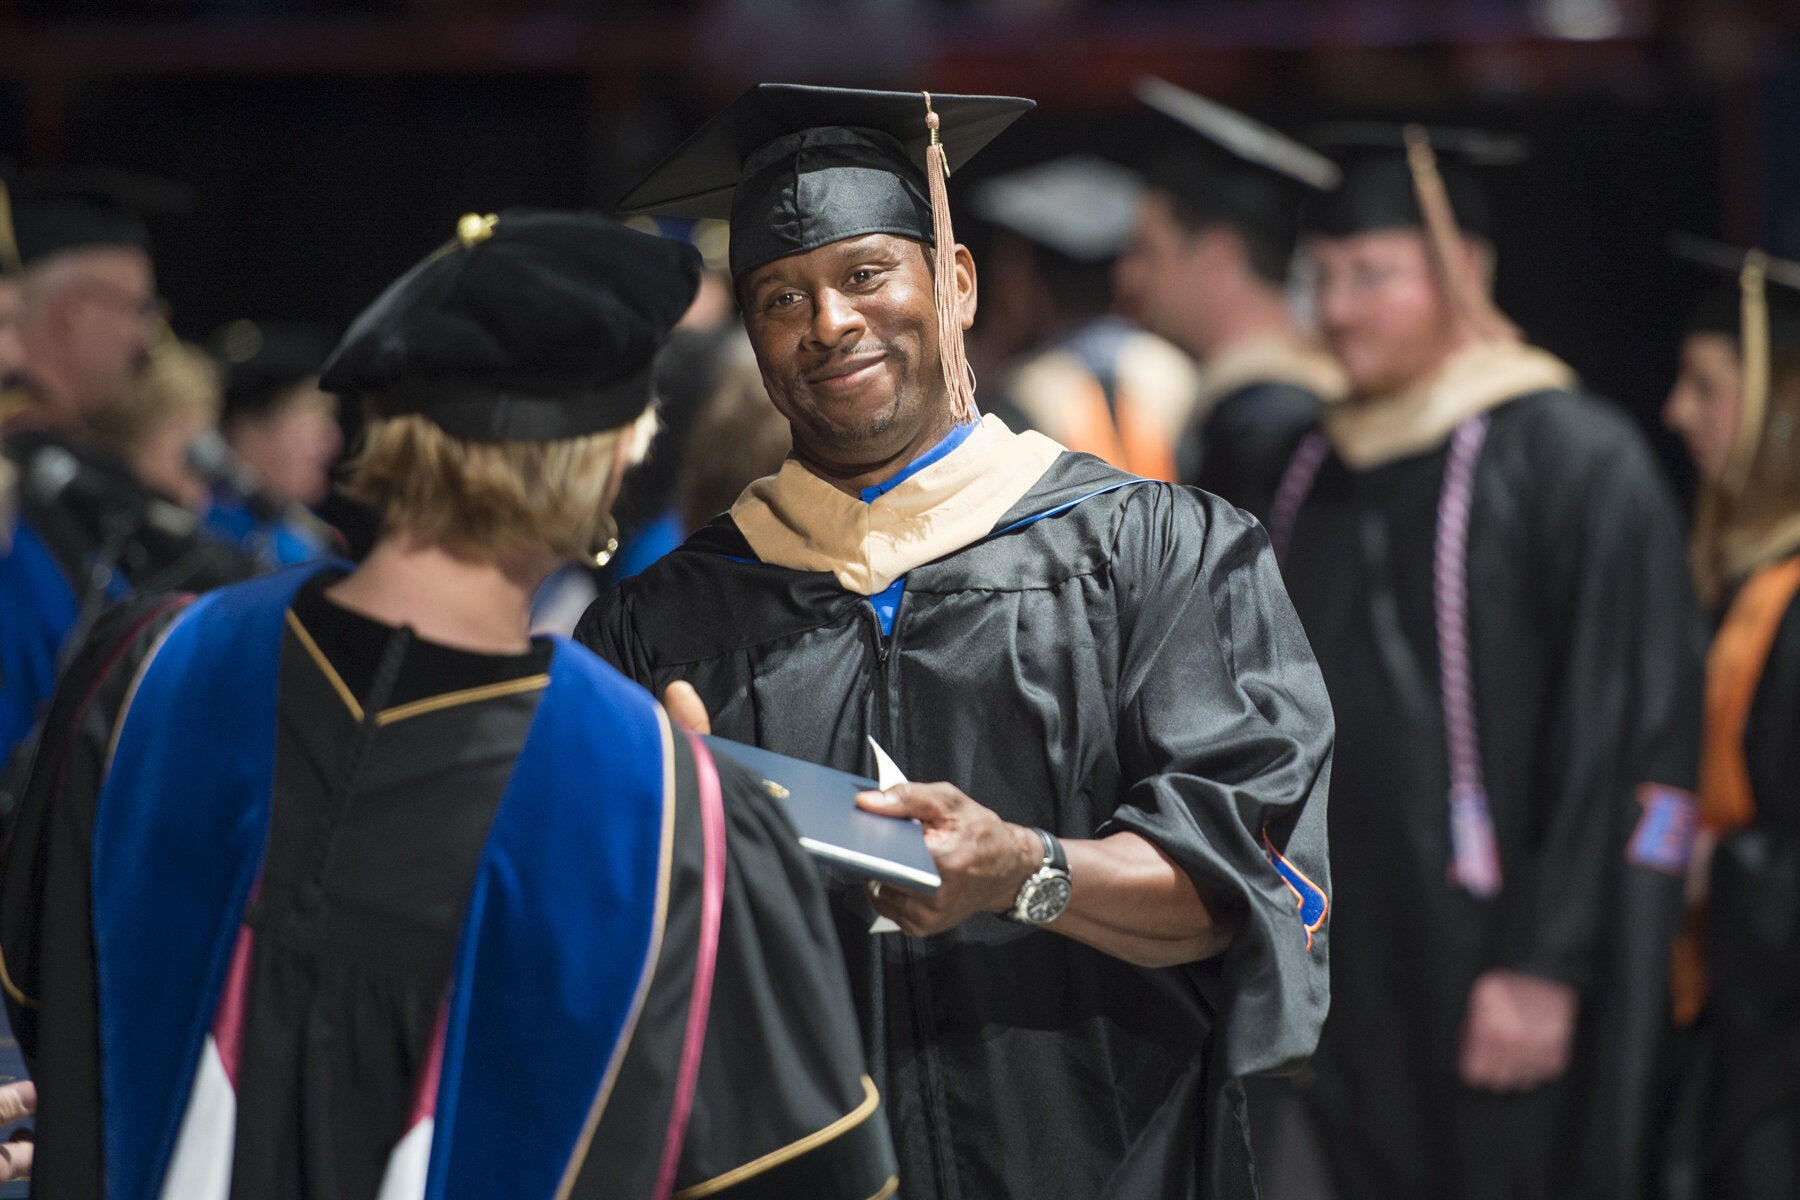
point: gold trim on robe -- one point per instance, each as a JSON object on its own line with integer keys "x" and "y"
{"x": 870, "y": 1102}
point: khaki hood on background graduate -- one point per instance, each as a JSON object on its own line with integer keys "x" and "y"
{"x": 1283, "y": 358}
{"x": 1369, "y": 432}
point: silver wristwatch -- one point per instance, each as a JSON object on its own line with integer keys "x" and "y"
{"x": 1044, "y": 896}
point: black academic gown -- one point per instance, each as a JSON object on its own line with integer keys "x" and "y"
{"x": 1223, "y": 452}
{"x": 1129, "y": 663}
{"x": 1585, "y": 657}
{"x": 363, "y": 893}
{"x": 1752, "y": 1024}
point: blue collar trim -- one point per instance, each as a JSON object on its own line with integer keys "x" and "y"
{"x": 1034, "y": 518}
{"x": 949, "y": 442}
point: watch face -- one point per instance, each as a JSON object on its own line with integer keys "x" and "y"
{"x": 1047, "y": 899}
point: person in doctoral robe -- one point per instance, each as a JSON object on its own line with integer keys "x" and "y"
{"x": 1126, "y": 740}
{"x": 278, "y": 440}
{"x": 1489, "y": 566}
{"x": 85, "y": 530}
{"x": 1208, "y": 266}
{"x": 1736, "y": 402}
{"x": 1090, "y": 380}
{"x": 338, "y": 884}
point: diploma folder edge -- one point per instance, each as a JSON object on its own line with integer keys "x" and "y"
{"x": 808, "y": 790}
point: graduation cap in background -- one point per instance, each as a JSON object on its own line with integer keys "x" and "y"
{"x": 795, "y": 167}
{"x": 529, "y": 326}
{"x": 1381, "y": 166}
{"x": 264, "y": 360}
{"x": 11, "y": 263}
{"x": 89, "y": 206}
{"x": 1758, "y": 317}
{"x": 1079, "y": 206}
{"x": 1223, "y": 164}
{"x": 1417, "y": 177}
{"x": 709, "y": 235}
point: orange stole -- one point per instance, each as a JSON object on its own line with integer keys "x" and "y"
{"x": 1734, "y": 668}
{"x": 1130, "y": 439}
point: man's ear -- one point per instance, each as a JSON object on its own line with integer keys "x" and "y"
{"x": 965, "y": 286}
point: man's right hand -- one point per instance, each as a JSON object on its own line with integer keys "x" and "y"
{"x": 685, "y": 707}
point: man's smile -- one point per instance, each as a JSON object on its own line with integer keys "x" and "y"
{"x": 847, "y": 375}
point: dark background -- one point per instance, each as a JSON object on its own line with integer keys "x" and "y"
{"x": 329, "y": 144}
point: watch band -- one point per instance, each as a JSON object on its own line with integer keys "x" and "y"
{"x": 1053, "y": 849}
{"x": 1049, "y": 882}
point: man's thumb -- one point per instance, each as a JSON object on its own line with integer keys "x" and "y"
{"x": 686, "y": 708}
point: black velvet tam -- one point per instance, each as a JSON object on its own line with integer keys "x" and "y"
{"x": 533, "y": 326}
{"x": 797, "y": 167}
{"x": 89, "y": 207}
{"x": 1220, "y": 163}
{"x": 1378, "y": 192}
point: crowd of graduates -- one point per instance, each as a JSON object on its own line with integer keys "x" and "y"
{"x": 1564, "y": 835}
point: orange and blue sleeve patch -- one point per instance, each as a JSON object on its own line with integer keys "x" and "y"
{"x": 1309, "y": 897}
{"x": 1664, "y": 837}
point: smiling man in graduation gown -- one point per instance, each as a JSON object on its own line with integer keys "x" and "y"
{"x": 1102, "y": 673}
{"x": 338, "y": 885}
{"x": 1491, "y": 570}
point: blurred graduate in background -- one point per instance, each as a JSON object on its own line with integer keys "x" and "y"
{"x": 278, "y": 440}
{"x": 1094, "y": 382}
{"x": 1489, "y": 564}
{"x": 1736, "y": 403}
{"x": 1207, "y": 267}
{"x": 88, "y": 528}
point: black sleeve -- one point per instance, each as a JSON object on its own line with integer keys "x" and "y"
{"x": 1621, "y": 733}
{"x": 1245, "y": 439}
{"x": 1226, "y": 731}
{"x": 1624, "y": 715}
{"x": 784, "y": 1106}
{"x": 46, "y": 929}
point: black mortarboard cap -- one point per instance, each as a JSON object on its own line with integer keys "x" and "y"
{"x": 263, "y": 360}
{"x": 1378, "y": 190}
{"x": 1721, "y": 308}
{"x": 79, "y": 208}
{"x": 10, "y": 262}
{"x": 1761, "y": 318}
{"x": 1079, "y": 206}
{"x": 529, "y": 326}
{"x": 797, "y": 167}
{"x": 1223, "y": 164}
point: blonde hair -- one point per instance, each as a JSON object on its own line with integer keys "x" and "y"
{"x": 510, "y": 502}
{"x": 1737, "y": 532}
{"x": 178, "y": 380}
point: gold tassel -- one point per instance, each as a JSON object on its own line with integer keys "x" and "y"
{"x": 959, "y": 377}
{"x": 1467, "y": 296}
{"x": 1753, "y": 337}
{"x": 11, "y": 263}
